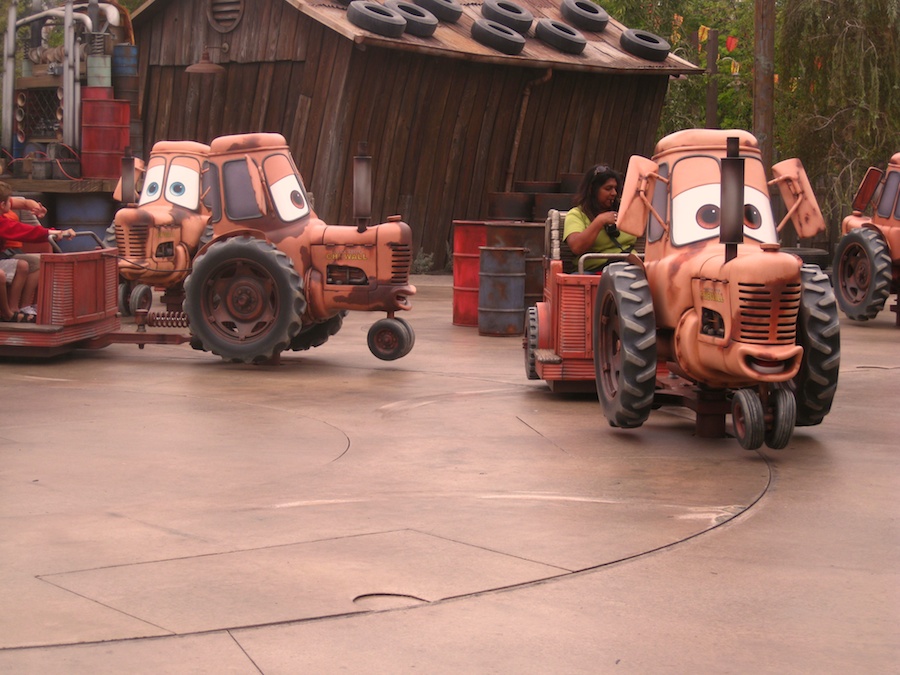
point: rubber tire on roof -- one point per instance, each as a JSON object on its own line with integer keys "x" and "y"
{"x": 444, "y": 10}
{"x": 557, "y": 34}
{"x": 419, "y": 21}
{"x": 644, "y": 44}
{"x": 584, "y": 14}
{"x": 497, "y": 36}
{"x": 509, "y": 14}
{"x": 376, "y": 18}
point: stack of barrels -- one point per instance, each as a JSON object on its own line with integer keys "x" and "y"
{"x": 498, "y": 263}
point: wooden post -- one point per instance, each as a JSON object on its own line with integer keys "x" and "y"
{"x": 712, "y": 82}
{"x": 764, "y": 79}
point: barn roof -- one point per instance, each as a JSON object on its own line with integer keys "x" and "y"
{"x": 603, "y": 52}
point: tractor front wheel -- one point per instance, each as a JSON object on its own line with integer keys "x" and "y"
{"x": 784, "y": 417}
{"x": 748, "y": 419}
{"x": 244, "y": 300}
{"x": 390, "y": 339}
{"x": 141, "y": 298}
{"x": 862, "y": 273}
{"x": 624, "y": 343}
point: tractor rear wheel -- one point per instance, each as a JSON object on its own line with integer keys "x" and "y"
{"x": 862, "y": 273}
{"x": 748, "y": 419}
{"x": 819, "y": 333}
{"x": 244, "y": 300}
{"x": 317, "y": 334}
{"x": 624, "y": 344}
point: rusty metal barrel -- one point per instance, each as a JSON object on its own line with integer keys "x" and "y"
{"x": 468, "y": 237}
{"x": 530, "y": 236}
{"x": 501, "y": 291}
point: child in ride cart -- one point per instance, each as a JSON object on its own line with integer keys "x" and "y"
{"x": 20, "y": 272}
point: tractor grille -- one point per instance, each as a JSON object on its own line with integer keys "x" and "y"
{"x": 767, "y": 315}
{"x": 401, "y": 260}
{"x": 132, "y": 241}
{"x": 572, "y": 330}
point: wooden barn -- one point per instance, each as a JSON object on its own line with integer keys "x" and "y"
{"x": 446, "y": 119}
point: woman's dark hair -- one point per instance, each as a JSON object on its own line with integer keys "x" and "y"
{"x": 587, "y": 192}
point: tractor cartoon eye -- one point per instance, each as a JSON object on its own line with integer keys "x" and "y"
{"x": 708, "y": 216}
{"x": 183, "y": 186}
{"x": 752, "y": 217}
{"x": 153, "y": 183}
{"x": 696, "y": 215}
{"x": 289, "y": 199}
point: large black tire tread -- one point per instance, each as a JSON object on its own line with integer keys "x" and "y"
{"x": 530, "y": 343}
{"x": 624, "y": 342}
{"x": 819, "y": 333}
{"x": 220, "y": 332}
{"x": 317, "y": 334}
{"x": 862, "y": 273}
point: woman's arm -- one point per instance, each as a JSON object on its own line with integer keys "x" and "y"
{"x": 581, "y": 242}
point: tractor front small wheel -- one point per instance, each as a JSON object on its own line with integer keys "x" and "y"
{"x": 390, "y": 339}
{"x": 784, "y": 418}
{"x": 141, "y": 298}
{"x": 748, "y": 419}
{"x": 124, "y": 298}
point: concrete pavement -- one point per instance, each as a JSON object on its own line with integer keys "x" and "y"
{"x": 163, "y": 511}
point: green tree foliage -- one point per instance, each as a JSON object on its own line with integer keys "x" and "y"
{"x": 838, "y": 96}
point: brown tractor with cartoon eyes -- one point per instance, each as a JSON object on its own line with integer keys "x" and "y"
{"x": 158, "y": 237}
{"x": 713, "y": 316}
{"x": 261, "y": 272}
{"x": 231, "y": 222}
{"x": 275, "y": 277}
{"x": 866, "y": 267}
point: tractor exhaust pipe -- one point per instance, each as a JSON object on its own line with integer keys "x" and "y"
{"x": 362, "y": 188}
{"x": 731, "y": 225}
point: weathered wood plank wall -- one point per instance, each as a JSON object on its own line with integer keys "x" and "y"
{"x": 441, "y": 131}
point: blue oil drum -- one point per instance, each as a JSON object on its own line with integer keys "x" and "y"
{"x": 125, "y": 61}
{"x": 501, "y": 291}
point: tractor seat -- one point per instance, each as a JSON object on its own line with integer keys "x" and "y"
{"x": 555, "y": 245}
{"x": 558, "y": 249}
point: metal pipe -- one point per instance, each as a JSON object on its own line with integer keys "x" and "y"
{"x": 520, "y": 123}
{"x": 9, "y": 77}
{"x": 731, "y": 210}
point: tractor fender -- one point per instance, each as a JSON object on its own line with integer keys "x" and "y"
{"x": 247, "y": 232}
{"x": 315, "y": 297}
